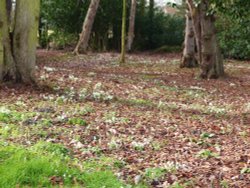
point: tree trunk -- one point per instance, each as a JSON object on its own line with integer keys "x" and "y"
{"x": 131, "y": 33}
{"x": 195, "y": 15}
{"x": 25, "y": 39}
{"x": 123, "y": 38}
{"x": 19, "y": 56}
{"x": 1, "y": 52}
{"x": 212, "y": 63}
{"x": 151, "y": 15}
{"x": 188, "y": 58}
{"x": 7, "y": 67}
{"x": 210, "y": 57}
{"x": 87, "y": 26}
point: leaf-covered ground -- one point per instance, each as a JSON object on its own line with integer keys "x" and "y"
{"x": 157, "y": 124}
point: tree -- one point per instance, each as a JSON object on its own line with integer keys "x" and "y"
{"x": 209, "y": 54}
{"x": 123, "y": 38}
{"x": 18, "y": 51}
{"x": 151, "y": 15}
{"x": 87, "y": 26}
{"x": 131, "y": 29}
{"x": 188, "y": 57}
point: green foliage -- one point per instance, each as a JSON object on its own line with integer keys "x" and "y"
{"x": 164, "y": 30}
{"x": 233, "y": 27}
{"x": 77, "y": 121}
{"x": 155, "y": 173}
{"x": 8, "y": 116}
{"x": 54, "y": 149}
{"x": 224, "y": 184}
{"x": 153, "y": 28}
{"x": 234, "y": 36}
{"x": 207, "y": 154}
{"x": 245, "y": 170}
{"x": 179, "y": 185}
{"x": 158, "y": 173}
{"x": 60, "y": 40}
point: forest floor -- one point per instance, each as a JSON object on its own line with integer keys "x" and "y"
{"x": 148, "y": 121}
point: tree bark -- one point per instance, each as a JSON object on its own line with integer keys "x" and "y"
{"x": 212, "y": 63}
{"x": 17, "y": 58}
{"x": 123, "y": 38}
{"x": 131, "y": 33}
{"x": 1, "y": 52}
{"x": 9, "y": 9}
{"x": 188, "y": 58}
{"x": 7, "y": 67}
{"x": 195, "y": 15}
{"x": 25, "y": 39}
{"x": 151, "y": 15}
{"x": 87, "y": 27}
{"x": 210, "y": 57}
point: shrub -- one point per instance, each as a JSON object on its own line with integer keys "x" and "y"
{"x": 234, "y": 37}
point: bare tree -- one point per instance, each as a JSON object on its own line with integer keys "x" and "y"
{"x": 131, "y": 29}
{"x": 188, "y": 58}
{"x": 123, "y": 38}
{"x": 87, "y": 27}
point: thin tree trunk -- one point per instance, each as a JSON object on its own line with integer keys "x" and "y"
{"x": 131, "y": 33}
{"x": 188, "y": 58}
{"x": 210, "y": 57}
{"x": 151, "y": 15}
{"x": 123, "y": 38}
{"x": 87, "y": 26}
{"x": 25, "y": 39}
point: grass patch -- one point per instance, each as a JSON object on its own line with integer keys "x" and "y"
{"x": 47, "y": 165}
{"x": 23, "y": 167}
{"x": 77, "y": 121}
{"x": 101, "y": 179}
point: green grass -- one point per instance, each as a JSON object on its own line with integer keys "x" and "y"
{"x": 38, "y": 165}
{"x": 101, "y": 179}
{"x": 23, "y": 167}
{"x": 77, "y": 121}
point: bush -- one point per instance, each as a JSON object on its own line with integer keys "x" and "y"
{"x": 234, "y": 37}
{"x": 163, "y": 30}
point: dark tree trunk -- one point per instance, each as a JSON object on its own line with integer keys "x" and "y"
{"x": 209, "y": 54}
